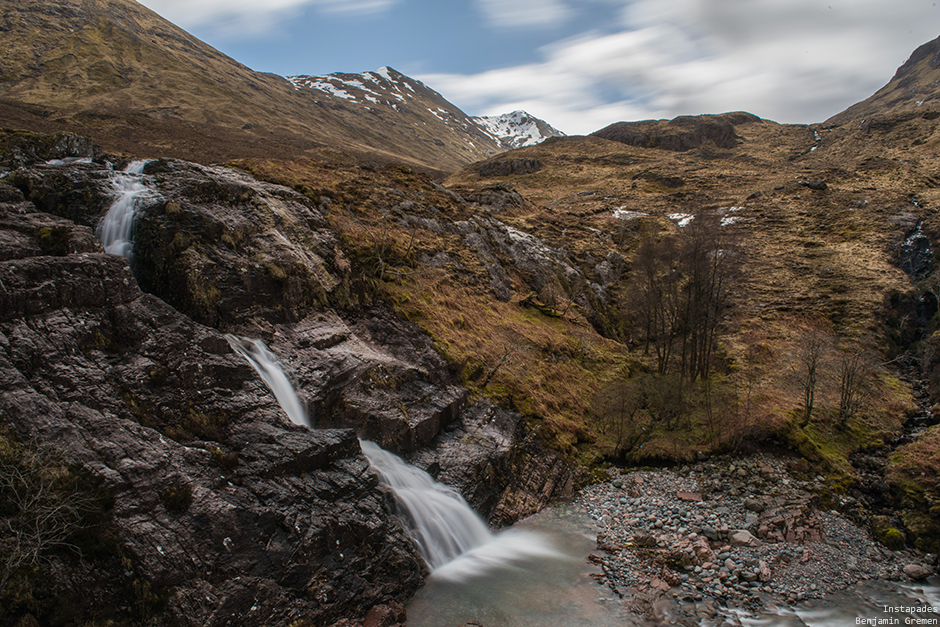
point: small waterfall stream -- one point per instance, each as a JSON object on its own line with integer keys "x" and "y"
{"x": 116, "y": 228}
{"x": 537, "y": 574}
{"x": 452, "y": 538}
{"x": 266, "y": 364}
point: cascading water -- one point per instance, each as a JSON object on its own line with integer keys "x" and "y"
{"x": 116, "y": 228}
{"x": 267, "y": 365}
{"x": 444, "y": 525}
{"x": 452, "y": 538}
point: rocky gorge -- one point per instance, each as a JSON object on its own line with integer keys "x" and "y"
{"x": 217, "y": 509}
{"x": 212, "y": 508}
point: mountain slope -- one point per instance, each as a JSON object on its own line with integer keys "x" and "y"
{"x": 120, "y": 73}
{"x": 913, "y": 86}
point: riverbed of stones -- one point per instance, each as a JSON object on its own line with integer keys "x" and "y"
{"x": 734, "y": 533}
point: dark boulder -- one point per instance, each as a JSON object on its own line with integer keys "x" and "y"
{"x": 509, "y": 167}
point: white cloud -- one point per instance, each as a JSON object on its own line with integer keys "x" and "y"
{"x": 786, "y": 60}
{"x": 249, "y": 17}
{"x": 524, "y": 13}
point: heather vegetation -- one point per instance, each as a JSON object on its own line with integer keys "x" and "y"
{"x": 666, "y": 364}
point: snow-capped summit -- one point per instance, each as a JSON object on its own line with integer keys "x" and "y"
{"x": 517, "y": 129}
{"x": 399, "y": 108}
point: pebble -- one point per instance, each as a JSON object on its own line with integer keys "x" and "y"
{"x": 663, "y": 541}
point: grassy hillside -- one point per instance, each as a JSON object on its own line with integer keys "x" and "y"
{"x": 118, "y": 72}
{"x": 810, "y": 260}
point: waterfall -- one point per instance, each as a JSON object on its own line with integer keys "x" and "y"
{"x": 116, "y": 228}
{"x": 444, "y": 525}
{"x": 267, "y": 365}
{"x": 451, "y": 537}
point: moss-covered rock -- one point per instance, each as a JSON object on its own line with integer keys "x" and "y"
{"x": 886, "y": 533}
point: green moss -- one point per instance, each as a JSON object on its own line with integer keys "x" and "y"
{"x": 53, "y": 240}
{"x": 227, "y": 461}
{"x": 893, "y": 539}
{"x": 177, "y": 497}
{"x": 204, "y": 426}
{"x": 173, "y": 209}
{"x": 158, "y": 375}
{"x": 885, "y": 533}
{"x": 204, "y": 296}
{"x": 924, "y": 530}
{"x": 277, "y": 272}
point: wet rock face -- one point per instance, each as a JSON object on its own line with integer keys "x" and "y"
{"x": 215, "y": 243}
{"x": 379, "y": 375}
{"x": 502, "y": 474}
{"x": 915, "y": 254}
{"x": 22, "y": 148}
{"x": 261, "y": 260}
{"x": 279, "y": 523}
{"x": 220, "y": 502}
{"x": 222, "y": 246}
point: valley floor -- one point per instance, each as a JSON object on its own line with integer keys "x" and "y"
{"x": 731, "y": 533}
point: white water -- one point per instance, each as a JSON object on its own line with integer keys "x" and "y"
{"x": 116, "y": 228}
{"x": 268, "y": 366}
{"x": 451, "y": 537}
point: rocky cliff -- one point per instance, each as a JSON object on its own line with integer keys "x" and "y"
{"x": 221, "y": 507}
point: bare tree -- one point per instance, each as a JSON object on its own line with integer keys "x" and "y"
{"x": 656, "y": 297}
{"x": 853, "y": 371}
{"x": 710, "y": 264}
{"x": 511, "y": 344}
{"x": 813, "y": 347}
{"x": 619, "y": 409}
{"x": 681, "y": 290}
{"x": 43, "y": 505}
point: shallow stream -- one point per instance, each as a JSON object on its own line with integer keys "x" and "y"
{"x": 544, "y": 591}
{"x": 560, "y": 591}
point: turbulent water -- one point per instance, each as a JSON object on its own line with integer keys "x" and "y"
{"x": 116, "y": 228}
{"x": 549, "y": 590}
{"x": 454, "y": 541}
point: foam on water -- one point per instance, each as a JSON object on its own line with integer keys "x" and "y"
{"x": 116, "y": 228}
{"x": 454, "y": 541}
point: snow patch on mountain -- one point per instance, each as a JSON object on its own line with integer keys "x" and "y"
{"x": 517, "y": 129}
{"x": 386, "y": 88}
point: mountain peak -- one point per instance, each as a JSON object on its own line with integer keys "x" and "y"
{"x": 517, "y": 129}
{"x": 137, "y": 84}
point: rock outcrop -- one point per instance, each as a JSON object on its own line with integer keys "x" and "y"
{"x": 221, "y": 505}
{"x": 503, "y": 474}
{"x": 680, "y": 134}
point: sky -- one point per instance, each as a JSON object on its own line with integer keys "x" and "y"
{"x": 584, "y": 64}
